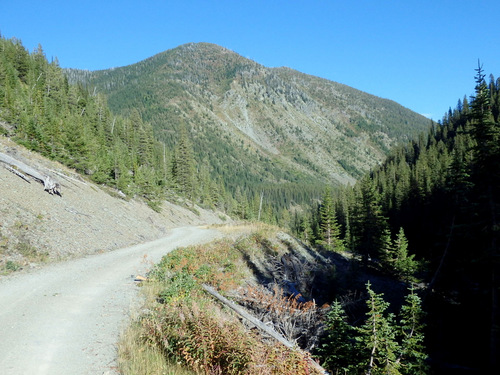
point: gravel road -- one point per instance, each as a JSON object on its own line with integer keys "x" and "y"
{"x": 66, "y": 317}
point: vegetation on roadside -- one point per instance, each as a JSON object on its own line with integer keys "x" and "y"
{"x": 184, "y": 325}
{"x": 264, "y": 271}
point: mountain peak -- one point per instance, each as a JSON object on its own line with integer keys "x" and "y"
{"x": 277, "y": 123}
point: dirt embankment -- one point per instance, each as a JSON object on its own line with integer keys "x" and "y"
{"x": 36, "y": 227}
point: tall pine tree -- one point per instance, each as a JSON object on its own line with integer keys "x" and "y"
{"x": 377, "y": 338}
{"x": 329, "y": 227}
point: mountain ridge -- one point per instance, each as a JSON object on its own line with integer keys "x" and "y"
{"x": 314, "y": 128}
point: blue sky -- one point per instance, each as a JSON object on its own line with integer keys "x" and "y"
{"x": 422, "y": 54}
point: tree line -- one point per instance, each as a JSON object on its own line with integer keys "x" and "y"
{"x": 73, "y": 124}
{"x": 430, "y": 214}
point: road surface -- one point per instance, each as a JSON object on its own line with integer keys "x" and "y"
{"x": 66, "y": 318}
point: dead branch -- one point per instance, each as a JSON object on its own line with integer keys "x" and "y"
{"x": 17, "y": 173}
{"x": 270, "y": 331}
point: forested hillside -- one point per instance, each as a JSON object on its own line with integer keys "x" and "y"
{"x": 200, "y": 121}
{"x": 258, "y": 129}
{"x": 69, "y": 123}
{"x": 203, "y": 125}
{"x": 429, "y": 214}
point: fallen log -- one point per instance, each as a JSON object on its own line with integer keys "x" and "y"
{"x": 17, "y": 173}
{"x": 21, "y": 169}
{"x": 270, "y": 331}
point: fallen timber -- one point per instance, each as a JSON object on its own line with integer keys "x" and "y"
{"x": 256, "y": 322}
{"x": 23, "y": 170}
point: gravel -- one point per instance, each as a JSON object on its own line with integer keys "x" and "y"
{"x": 87, "y": 219}
{"x": 62, "y": 312}
{"x": 66, "y": 318}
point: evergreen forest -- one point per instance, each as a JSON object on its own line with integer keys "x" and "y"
{"x": 74, "y": 125}
{"x": 264, "y": 132}
{"x": 427, "y": 218}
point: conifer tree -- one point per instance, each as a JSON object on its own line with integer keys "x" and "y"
{"x": 459, "y": 182}
{"x": 183, "y": 166}
{"x": 412, "y": 356}
{"x": 404, "y": 264}
{"x": 387, "y": 250}
{"x": 337, "y": 348}
{"x": 305, "y": 230}
{"x": 329, "y": 227}
{"x": 242, "y": 207}
{"x": 367, "y": 221}
{"x": 377, "y": 338}
{"x": 486, "y": 133}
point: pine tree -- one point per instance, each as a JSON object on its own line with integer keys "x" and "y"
{"x": 486, "y": 134}
{"x": 459, "y": 182}
{"x": 241, "y": 207}
{"x": 412, "y": 356}
{"x": 484, "y": 130}
{"x": 404, "y": 264}
{"x": 184, "y": 167}
{"x": 305, "y": 230}
{"x": 387, "y": 250}
{"x": 377, "y": 338}
{"x": 367, "y": 221}
{"x": 329, "y": 227}
{"x": 336, "y": 348}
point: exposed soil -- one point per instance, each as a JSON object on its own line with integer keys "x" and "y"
{"x": 65, "y": 314}
{"x": 36, "y": 227}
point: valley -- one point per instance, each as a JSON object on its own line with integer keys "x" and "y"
{"x": 379, "y": 200}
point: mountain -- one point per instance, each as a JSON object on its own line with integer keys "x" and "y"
{"x": 255, "y": 125}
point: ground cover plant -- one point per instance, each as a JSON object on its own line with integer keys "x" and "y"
{"x": 281, "y": 283}
{"x": 185, "y": 330}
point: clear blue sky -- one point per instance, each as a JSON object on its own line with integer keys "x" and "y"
{"x": 422, "y": 54}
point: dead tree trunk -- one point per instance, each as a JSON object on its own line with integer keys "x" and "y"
{"x": 21, "y": 170}
{"x": 271, "y": 332}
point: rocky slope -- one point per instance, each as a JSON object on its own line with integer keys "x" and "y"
{"x": 271, "y": 124}
{"x": 36, "y": 227}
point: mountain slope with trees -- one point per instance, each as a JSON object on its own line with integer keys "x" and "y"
{"x": 257, "y": 128}
{"x": 66, "y": 122}
{"x": 429, "y": 214}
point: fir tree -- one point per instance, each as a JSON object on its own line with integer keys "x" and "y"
{"x": 486, "y": 172}
{"x": 305, "y": 230}
{"x": 367, "y": 221}
{"x": 184, "y": 167}
{"x": 403, "y": 263}
{"x": 329, "y": 227}
{"x": 484, "y": 130}
{"x": 337, "y": 348}
{"x": 412, "y": 356}
{"x": 377, "y": 338}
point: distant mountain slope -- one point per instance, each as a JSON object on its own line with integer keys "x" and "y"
{"x": 253, "y": 124}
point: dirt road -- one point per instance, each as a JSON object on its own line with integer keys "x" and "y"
{"x": 66, "y": 317}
